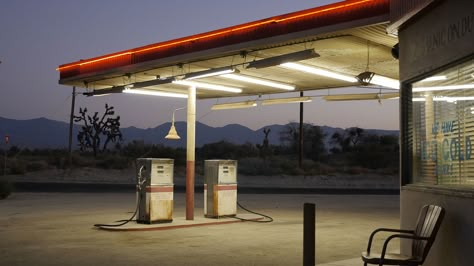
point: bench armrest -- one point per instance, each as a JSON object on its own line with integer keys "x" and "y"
{"x": 405, "y": 236}
{"x": 369, "y": 245}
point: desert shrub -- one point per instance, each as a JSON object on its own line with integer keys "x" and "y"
{"x": 57, "y": 160}
{"x": 6, "y": 188}
{"x": 226, "y": 150}
{"x": 280, "y": 165}
{"x": 16, "y": 167}
{"x": 250, "y": 166}
{"x": 356, "y": 170}
{"x": 79, "y": 160}
{"x": 387, "y": 171}
{"x": 289, "y": 167}
{"x": 325, "y": 169}
{"x": 32, "y": 166}
{"x": 135, "y": 149}
{"x": 138, "y": 149}
{"x": 112, "y": 161}
{"x": 256, "y": 166}
{"x": 312, "y": 168}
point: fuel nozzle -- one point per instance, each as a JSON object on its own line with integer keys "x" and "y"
{"x": 141, "y": 179}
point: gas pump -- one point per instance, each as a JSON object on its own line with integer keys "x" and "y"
{"x": 155, "y": 190}
{"x": 220, "y": 188}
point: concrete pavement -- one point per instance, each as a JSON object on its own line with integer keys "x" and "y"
{"x": 57, "y": 229}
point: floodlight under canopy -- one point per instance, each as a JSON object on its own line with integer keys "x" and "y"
{"x": 234, "y": 105}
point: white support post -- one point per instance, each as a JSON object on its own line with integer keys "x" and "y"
{"x": 190, "y": 152}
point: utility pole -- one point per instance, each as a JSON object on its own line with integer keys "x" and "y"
{"x": 300, "y": 155}
{"x": 71, "y": 119}
{"x": 5, "y": 154}
{"x": 7, "y": 139}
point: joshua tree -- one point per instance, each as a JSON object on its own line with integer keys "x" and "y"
{"x": 98, "y": 131}
{"x": 266, "y": 131}
{"x": 265, "y": 147}
{"x": 347, "y": 140}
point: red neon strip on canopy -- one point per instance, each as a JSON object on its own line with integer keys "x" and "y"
{"x": 286, "y": 19}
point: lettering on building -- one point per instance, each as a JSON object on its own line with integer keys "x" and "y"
{"x": 443, "y": 37}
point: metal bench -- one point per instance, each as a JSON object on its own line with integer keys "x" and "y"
{"x": 423, "y": 236}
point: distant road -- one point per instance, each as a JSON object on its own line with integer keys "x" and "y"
{"x": 113, "y": 188}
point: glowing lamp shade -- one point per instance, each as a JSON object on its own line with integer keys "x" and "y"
{"x": 172, "y": 134}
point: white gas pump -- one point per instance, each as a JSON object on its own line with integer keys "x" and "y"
{"x": 220, "y": 188}
{"x": 155, "y": 190}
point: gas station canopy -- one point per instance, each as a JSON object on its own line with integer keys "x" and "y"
{"x": 320, "y": 48}
{"x": 334, "y": 46}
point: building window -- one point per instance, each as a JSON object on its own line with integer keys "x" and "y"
{"x": 443, "y": 127}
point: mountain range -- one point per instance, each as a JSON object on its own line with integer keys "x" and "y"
{"x": 46, "y": 133}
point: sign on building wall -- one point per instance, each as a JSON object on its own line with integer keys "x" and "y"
{"x": 439, "y": 37}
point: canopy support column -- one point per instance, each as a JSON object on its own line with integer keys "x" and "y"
{"x": 190, "y": 152}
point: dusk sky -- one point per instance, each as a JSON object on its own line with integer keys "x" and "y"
{"x": 38, "y": 36}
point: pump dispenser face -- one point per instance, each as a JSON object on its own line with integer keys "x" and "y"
{"x": 155, "y": 190}
{"x": 220, "y": 188}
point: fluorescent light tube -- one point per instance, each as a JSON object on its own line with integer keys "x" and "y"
{"x": 208, "y": 86}
{"x": 367, "y": 77}
{"x": 319, "y": 72}
{"x": 259, "y": 81}
{"x": 361, "y": 96}
{"x": 234, "y": 105}
{"x": 442, "y": 88}
{"x": 287, "y": 100}
{"x": 281, "y": 59}
{"x": 444, "y": 99}
{"x": 385, "y": 82}
{"x": 156, "y": 93}
{"x": 433, "y": 78}
{"x": 209, "y": 73}
{"x": 453, "y": 99}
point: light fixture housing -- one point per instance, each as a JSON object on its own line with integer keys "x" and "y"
{"x": 234, "y": 105}
{"x": 207, "y": 86}
{"x": 367, "y": 78}
{"x": 209, "y": 73}
{"x": 259, "y": 81}
{"x": 361, "y": 96}
{"x": 104, "y": 92}
{"x": 149, "y": 83}
{"x": 319, "y": 72}
{"x": 155, "y": 93}
{"x": 285, "y": 58}
{"x": 303, "y": 99}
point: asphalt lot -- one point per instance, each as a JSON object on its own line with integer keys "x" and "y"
{"x": 56, "y": 228}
